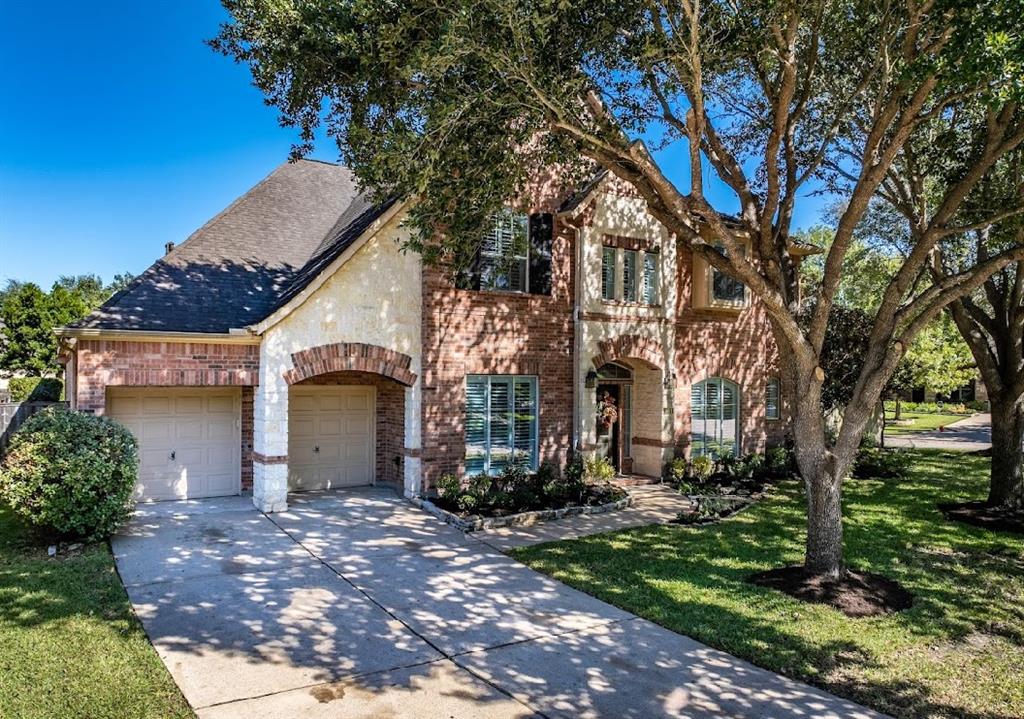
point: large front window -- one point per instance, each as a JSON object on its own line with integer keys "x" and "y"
{"x": 714, "y": 407}
{"x": 501, "y": 423}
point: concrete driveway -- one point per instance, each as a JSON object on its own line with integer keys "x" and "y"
{"x": 356, "y": 604}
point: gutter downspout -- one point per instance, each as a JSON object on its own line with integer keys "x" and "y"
{"x": 577, "y": 339}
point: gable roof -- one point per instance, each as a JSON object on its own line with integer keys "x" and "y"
{"x": 250, "y": 258}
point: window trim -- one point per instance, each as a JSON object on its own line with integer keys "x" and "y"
{"x": 511, "y": 379}
{"x": 723, "y": 301}
{"x": 773, "y": 382}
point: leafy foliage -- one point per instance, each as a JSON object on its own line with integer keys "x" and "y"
{"x": 70, "y": 473}
{"x": 878, "y": 463}
{"x": 28, "y": 316}
{"x": 35, "y": 389}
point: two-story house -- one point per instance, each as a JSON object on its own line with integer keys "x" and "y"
{"x": 290, "y": 343}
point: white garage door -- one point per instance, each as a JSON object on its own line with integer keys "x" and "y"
{"x": 330, "y": 437}
{"x": 189, "y": 439}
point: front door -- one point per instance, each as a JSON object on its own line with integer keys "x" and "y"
{"x": 609, "y": 423}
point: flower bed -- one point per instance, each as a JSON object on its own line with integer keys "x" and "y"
{"x": 519, "y": 497}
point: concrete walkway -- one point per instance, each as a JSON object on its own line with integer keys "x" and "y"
{"x": 972, "y": 434}
{"x": 356, "y": 604}
{"x": 652, "y": 504}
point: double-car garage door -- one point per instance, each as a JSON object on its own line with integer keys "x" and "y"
{"x": 189, "y": 439}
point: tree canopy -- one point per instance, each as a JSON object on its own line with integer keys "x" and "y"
{"x": 462, "y": 103}
{"x": 28, "y": 316}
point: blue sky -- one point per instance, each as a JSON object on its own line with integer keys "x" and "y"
{"x": 121, "y": 131}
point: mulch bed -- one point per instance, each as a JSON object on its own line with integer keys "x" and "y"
{"x": 980, "y": 514}
{"x": 855, "y": 594}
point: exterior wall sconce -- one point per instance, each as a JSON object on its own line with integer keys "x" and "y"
{"x": 591, "y": 380}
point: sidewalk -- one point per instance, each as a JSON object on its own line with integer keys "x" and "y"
{"x": 972, "y": 434}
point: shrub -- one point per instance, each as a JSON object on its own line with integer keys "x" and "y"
{"x": 35, "y": 389}
{"x": 71, "y": 473}
{"x": 448, "y": 488}
{"x": 701, "y": 468}
{"x": 570, "y": 486}
{"x": 677, "y": 470}
{"x": 875, "y": 463}
{"x": 777, "y": 462}
{"x": 598, "y": 469}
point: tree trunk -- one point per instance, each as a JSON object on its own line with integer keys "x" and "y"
{"x": 824, "y": 527}
{"x": 1006, "y": 489}
{"x": 822, "y": 483}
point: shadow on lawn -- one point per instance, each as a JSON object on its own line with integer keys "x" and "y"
{"x": 966, "y": 582}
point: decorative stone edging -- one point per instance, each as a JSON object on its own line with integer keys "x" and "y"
{"x": 475, "y": 522}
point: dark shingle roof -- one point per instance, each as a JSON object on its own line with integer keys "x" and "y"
{"x": 249, "y": 259}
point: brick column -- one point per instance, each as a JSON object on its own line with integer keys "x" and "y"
{"x": 270, "y": 441}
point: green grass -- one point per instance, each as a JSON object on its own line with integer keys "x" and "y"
{"x": 922, "y": 422}
{"x": 958, "y": 652}
{"x": 70, "y": 645}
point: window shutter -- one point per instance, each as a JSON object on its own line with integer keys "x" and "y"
{"x": 524, "y": 422}
{"x": 650, "y": 278}
{"x": 608, "y": 273}
{"x": 501, "y": 424}
{"x": 476, "y": 425}
{"x": 629, "y": 275}
{"x": 771, "y": 400}
{"x": 541, "y": 230}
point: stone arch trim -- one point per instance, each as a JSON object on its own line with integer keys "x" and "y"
{"x": 351, "y": 356}
{"x": 633, "y": 346}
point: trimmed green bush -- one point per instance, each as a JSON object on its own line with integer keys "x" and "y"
{"x": 70, "y": 473}
{"x": 35, "y": 389}
{"x": 701, "y": 468}
{"x": 877, "y": 463}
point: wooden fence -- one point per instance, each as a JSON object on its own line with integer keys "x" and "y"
{"x": 14, "y": 414}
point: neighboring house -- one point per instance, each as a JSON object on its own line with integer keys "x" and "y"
{"x": 291, "y": 344}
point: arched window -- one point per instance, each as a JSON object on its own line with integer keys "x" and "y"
{"x": 715, "y": 411}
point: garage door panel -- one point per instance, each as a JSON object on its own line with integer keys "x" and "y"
{"x": 341, "y": 426}
{"x": 200, "y": 427}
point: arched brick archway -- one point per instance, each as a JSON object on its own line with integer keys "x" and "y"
{"x": 645, "y": 349}
{"x": 350, "y": 356}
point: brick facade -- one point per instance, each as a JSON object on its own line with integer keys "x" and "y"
{"x": 390, "y": 420}
{"x": 351, "y": 356}
{"x": 118, "y": 363}
{"x": 467, "y": 332}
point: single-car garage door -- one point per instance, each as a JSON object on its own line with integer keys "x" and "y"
{"x": 330, "y": 436}
{"x": 189, "y": 439}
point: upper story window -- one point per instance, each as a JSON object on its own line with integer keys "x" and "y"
{"x": 515, "y": 254}
{"x": 503, "y": 253}
{"x": 608, "y": 273}
{"x": 723, "y": 287}
{"x": 629, "y": 275}
{"x": 714, "y": 290}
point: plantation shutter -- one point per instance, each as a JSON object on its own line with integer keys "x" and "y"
{"x": 608, "y": 273}
{"x": 650, "y": 278}
{"x": 541, "y": 227}
{"x": 771, "y": 400}
{"x": 524, "y": 422}
{"x": 501, "y": 424}
{"x": 476, "y": 425}
{"x": 698, "y": 424}
{"x": 629, "y": 276}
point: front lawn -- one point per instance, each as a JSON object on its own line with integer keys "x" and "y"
{"x": 958, "y": 652}
{"x": 921, "y": 422}
{"x": 70, "y": 645}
